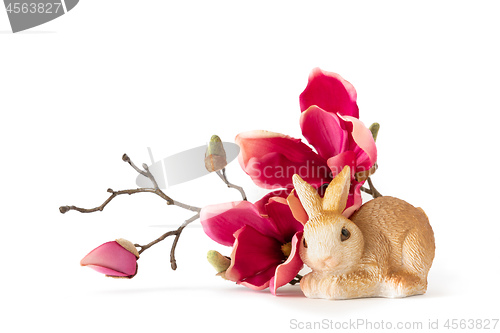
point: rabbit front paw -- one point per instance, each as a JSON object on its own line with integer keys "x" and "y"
{"x": 354, "y": 285}
{"x": 315, "y": 285}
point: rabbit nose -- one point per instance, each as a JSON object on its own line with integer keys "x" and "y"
{"x": 332, "y": 262}
{"x": 325, "y": 261}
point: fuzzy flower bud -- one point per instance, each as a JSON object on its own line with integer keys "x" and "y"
{"x": 215, "y": 156}
{"x": 219, "y": 262}
{"x": 374, "y": 128}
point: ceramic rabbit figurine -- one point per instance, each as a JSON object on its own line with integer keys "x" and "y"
{"x": 385, "y": 249}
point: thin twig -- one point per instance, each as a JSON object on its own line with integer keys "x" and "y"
{"x": 127, "y": 159}
{"x": 364, "y": 189}
{"x": 64, "y": 209}
{"x": 177, "y": 234}
{"x": 296, "y": 280}
{"x": 373, "y": 190}
{"x": 173, "y": 263}
{"x": 150, "y": 176}
{"x": 222, "y": 175}
{"x": 159, "y": 239}
{"x": 155, "y": 190}
{"x": 188, "y": 207}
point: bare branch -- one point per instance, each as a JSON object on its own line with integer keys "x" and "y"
{"x": 155, "y": 190}
{"x": 173, "y": 263}
{"x": 364, "y": 189}
{"x": 150, "y": 176}
{"x": 296, "y": 280}
{"x": 177, "y": 234}
{"x": 125, "y": 158}
{"x": 222, "y": 175}
{"x": 64, "y": 209}
{"x": 145, "y": 173}
{"x": 373, "y": 190}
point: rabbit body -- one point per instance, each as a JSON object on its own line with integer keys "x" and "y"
{"x": 385, "y": 249}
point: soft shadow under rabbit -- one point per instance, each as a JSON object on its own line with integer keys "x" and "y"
{"x": 385, "y": 249}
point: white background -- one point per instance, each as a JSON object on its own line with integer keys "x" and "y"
{"x": 115, "y": 76}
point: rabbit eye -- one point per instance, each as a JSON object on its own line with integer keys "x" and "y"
{"x": 345, "y": 234}
{"x": 304, "y": 242}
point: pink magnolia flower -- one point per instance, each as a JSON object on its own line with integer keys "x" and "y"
{"x": 265, "y": 244}
{"x": 340, "y": 139}
{"x": 115, "y": 259}
{"x": 271, "y": 159}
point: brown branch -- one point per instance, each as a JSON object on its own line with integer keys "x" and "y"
{"x": 296, "y": 280}
{"x": 145, "y": 173}
{"x": 156, "y": 190}
{"x": 222, "y": 175}
{"x": 373, "y": 190}
{"x": 177, "y": 234}
{"x": 64, "y": 209}
{"x": 364, "y": 189}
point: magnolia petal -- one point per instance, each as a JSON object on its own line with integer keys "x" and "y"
{"x": 111, "y": 259}
{"x": 282, "y": 217}
{"x": 325, "y": 131}
{"x": 363, "y": 145}
{"x": 107, "y": 271}
{"x": 252, "y": 253}
{"x": 288, "y": 270}
{"x": 271, "y": 159}
{"x": 337, "y": 163}
{"x": 298, "y": 211}
{"x": 330, "y": 92}
{"x": 354, "y": 200}
{"x": 221, "y": 221}
{"x": 259, "y": 281}
{"x": 261, "y": 203}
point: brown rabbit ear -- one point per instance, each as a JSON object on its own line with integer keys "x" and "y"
{"x": 308, "y": 195}
{"x": 336, "y": 193}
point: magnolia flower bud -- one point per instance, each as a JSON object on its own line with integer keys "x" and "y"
{"x": 215, "y": 156}
{"x": 219, "y": 262}
{"x": 374, "y": 129}
{"x": 129, "y": 246}
{"x": 116, "y": 259}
